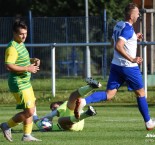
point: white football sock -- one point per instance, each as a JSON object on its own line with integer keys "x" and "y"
{"x": 82, "y": 104}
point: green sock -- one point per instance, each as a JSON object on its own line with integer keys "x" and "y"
{"x": 82, "y": 116}
{"x": 84, "y": 90}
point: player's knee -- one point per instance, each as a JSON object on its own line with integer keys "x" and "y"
{"x": 73, "y": 96}
{"x": 28, "y": 113}
{"x": 140, "y": 93}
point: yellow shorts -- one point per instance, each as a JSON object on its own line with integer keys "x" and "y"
{"x": 64, "y": 112}
{"x": 25, "y": 98}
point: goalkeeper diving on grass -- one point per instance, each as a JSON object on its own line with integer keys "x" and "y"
{"x": 71, "y": 114}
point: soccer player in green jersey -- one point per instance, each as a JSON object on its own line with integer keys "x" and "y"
{"x": 70, "y": 113}
{"x": 20, "y": 67}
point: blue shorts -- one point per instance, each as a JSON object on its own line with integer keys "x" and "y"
{"x": 131, "y": 75}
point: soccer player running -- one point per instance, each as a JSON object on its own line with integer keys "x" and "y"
{"x": 124, "y": 66}
{"x": 20, "y": 66}
{"x": 65, "y": 111}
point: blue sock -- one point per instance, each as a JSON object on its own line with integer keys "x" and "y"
{"x": 143, "y": 108}
{"x": 96, "y": 97}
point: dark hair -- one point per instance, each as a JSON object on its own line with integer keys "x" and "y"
{"x": 19, "y": 23}
{"x": 58, "y": 102}
{"x": 128, "y": 9}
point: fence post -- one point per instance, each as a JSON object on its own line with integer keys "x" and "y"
{"x": 145, "y": 69}
{"x": 88, "y": 61}
{"x": 53, "y": 69}
{"x": 31, "y": 32}
{"x": 104, "y": 61}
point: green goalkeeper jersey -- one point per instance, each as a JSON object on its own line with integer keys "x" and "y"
{"x": 17, "y": 54}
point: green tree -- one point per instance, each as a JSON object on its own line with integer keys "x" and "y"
{"x": 58, "y": 8}
{"x": 9, "y": 8}
{"x": 114, "y": 8}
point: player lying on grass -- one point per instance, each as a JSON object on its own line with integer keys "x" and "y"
{"x": 65, "y": 111}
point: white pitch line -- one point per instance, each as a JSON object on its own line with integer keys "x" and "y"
{"x": 131, "y": 120}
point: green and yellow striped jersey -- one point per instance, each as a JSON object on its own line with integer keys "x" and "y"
{"x": 17, "y": 54}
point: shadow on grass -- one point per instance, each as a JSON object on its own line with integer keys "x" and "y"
{"x": 119, "y": 105}
{"x": 35, "y": 130}
{"x": 21, "y": 131}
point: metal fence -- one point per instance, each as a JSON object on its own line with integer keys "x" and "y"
{"x": 69, "y": 60}
{"x": 58, "y": 29}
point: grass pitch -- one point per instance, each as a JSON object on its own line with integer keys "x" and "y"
{"x": 114, "y": 124}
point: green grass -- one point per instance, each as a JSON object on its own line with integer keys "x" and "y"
{"x": 64, "y": 86}
{"x": 114, "y": 124}
{"x": 118, "y": 122}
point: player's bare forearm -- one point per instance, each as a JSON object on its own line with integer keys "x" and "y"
{"x": 138, "y": 60}
{"x": 15, "y": 68}
{"x": 120, "y": 48}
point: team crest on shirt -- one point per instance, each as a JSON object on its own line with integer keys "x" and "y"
{"x": 28, "y": 103}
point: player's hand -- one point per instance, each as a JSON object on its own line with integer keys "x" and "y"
{"x": 36, "y": 61}
{"x": 139, "y": 36}
{"x": 138, "y": 60}
{"x": 32, "y": 68}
